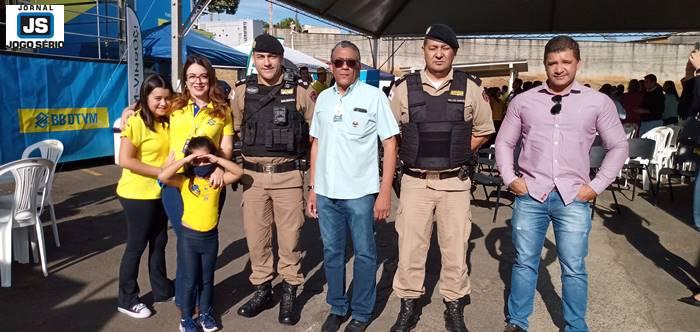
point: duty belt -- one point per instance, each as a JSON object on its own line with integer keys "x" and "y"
{"x": 431, "y": 175}
{"x": 293, "y": 165}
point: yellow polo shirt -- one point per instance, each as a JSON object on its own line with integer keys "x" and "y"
{"x": 152, "y": 149}
{"x": 185, "y": 125}
{"x": 201, "y": 204}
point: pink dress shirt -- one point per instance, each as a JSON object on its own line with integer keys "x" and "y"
{"x": 555, "y": 147}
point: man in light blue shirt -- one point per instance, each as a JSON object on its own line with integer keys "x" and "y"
{"x": 345, "y": 192}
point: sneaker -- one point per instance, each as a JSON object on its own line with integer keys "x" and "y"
{"x": 165, "y": 300}
{"x": 188, "y": 325}
{"x": 139, "y": 310}
{"x": 208, "y": 323}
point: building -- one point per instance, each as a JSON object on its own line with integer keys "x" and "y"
{"x": 234, "y": 33}
{"x": 317, "y": 29}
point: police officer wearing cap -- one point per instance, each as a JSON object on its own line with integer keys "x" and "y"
{"x": 444, "y": 118}
{"x": 271, "y": 114}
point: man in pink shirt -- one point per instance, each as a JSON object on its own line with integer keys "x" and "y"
{"x": 556, "y": 124}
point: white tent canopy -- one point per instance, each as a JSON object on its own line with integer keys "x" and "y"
{"x": 299, "y": 59}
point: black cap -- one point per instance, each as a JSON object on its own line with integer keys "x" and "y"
{"x": 443, "y": 33}
{"x": 268, "y": 44}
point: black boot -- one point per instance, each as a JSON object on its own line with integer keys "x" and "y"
{"x": 454, "y": 316}
{"x": 288, "y": 313}
{"x": 408, "y": 316}
{"x": 262, "y": 299}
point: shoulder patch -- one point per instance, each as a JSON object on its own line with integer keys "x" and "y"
{"x": 474, "y": 78}
{"x": 303, "y": 84}
{"x": 239, "y": 82}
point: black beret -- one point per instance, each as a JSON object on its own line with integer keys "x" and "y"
{"x": 443, "y": 33}
{"x": 268, "y": 44}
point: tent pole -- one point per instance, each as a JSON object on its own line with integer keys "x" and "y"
{"x": 392, "y": 55}
{"x": 375, "y": 54}
{"x": 176, "y": 44}
{"x": 513, "y": 75}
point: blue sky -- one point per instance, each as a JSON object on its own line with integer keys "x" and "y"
{"x": 258, "y": 9}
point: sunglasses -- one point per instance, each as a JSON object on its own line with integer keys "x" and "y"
{"x": 338, "y": 63}
{"x": 557, "y": 105}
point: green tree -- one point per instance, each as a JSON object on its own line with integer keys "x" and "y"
{"x": 224, "y": 6}
{"x": 286, "y": 23}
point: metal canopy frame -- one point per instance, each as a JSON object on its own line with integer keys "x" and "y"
{"x": 387, "y": 18}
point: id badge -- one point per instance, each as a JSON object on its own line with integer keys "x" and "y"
{"x": 338, "y": 116}
{"x": 184, "y": 148}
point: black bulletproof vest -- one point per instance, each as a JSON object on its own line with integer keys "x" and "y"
{"x": 272, "y": 126}
{"x": 436, "y": 136}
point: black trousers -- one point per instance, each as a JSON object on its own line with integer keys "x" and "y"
{"x": 146, "y": 224}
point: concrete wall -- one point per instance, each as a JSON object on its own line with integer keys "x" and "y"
{"x": 602, "y": 61}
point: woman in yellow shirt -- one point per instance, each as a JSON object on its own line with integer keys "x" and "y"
{"x": 201, "y": 110}
{"x": 198, "y": 244}
{"x": 144, "y": 148}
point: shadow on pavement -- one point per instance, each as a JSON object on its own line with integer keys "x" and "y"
{"x": 499, "y": 245}
{"x": 632, "y": 227}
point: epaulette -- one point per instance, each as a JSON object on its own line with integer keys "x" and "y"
{"x": 302, "y": 84}
{"x": 239, "y": 82}
{"x": 399, "y": 81}
{"x": 474, "y": 78}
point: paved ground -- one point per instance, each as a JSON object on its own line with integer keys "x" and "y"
{"x": 640, "y": 262}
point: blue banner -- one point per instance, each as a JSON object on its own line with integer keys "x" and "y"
{"x": 73, "y": 101}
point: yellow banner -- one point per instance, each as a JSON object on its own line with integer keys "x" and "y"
{"x": 44, "y": 120}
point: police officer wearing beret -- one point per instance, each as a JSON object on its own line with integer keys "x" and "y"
{"x": 271, "y": 114}
{"x": 444, "y": 118}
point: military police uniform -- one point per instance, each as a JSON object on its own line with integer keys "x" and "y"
{"x": 273, "y": 123}
{"x": 437, "y": 123}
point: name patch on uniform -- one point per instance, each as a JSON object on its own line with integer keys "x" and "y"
{"x": 287, "y": 91}
{"x": 287, "y": 100}
{"x": 251, "y": 90}
{"x": 457, "y": 92}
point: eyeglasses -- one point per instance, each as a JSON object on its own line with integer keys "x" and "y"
{"x": 203, "y": 78}
{"x": 338, "y": 63}
{"x": 557, "y": 105}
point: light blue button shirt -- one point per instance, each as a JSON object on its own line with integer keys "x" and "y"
{"x": 347, "y": 127}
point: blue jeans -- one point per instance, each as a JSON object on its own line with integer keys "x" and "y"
{"x": 172, "y": 202}
{"x": 572, "y": 225}
{"x": 336, "y": 218}
{"x": 198, "y": 252}
{"x": 696, "y": 199}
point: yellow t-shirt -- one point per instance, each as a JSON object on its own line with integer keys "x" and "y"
{"x": 152, "y": 149}
{"x": 185, "y": 125}
{"x": 201, "y": 204}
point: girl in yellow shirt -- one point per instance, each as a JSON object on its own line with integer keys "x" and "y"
{"x": 144, "y": 148}
{"x": 199, "y": 237}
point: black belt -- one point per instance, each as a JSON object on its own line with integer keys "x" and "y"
{"x": 431, "y": 175}
{"x": 289, "y": 166}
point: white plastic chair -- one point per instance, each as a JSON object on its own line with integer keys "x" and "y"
{"x": 50, "y": 149}
{"x": 662, "y": 136}
{"x": 24, "y": 211}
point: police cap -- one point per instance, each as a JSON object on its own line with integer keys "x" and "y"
{"x": 443, "y": 33}
{"x": 268, "y": 44}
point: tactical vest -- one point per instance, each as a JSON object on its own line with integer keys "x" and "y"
{"x": 272, "y": 126}
{"x": 436, "y": 136}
